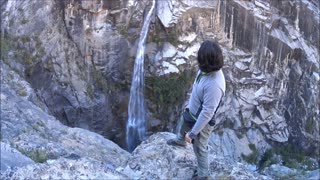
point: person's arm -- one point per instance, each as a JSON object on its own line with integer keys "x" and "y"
{"x": 211, "y": 99}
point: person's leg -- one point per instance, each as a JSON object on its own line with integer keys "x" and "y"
{"x": 200, "y": 147}
{"x": 184, "y": 128}
{"x": 179, "y": 140}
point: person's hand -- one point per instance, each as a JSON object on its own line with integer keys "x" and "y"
{"x": 187, "y": 138}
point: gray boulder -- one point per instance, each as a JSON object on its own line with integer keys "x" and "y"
{"x": 11, "y": 158}
{"x": 84, "y": 168}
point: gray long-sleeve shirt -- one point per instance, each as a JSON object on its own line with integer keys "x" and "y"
{"x": 209, "y": 89}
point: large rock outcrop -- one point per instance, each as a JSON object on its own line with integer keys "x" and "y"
{"x": 40, "y": 136}
{"x": 47, "y": 149}
{"x": 75, "y": 55}
{"x": 272, "y": 68}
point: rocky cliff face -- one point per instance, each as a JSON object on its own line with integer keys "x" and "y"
{"x": 30, "y": 136}
{"x": 272, "y": 65}
{"x": 35, "y": 145}
{"x": 282, "y": 67}
{"x": 77, "y": 58}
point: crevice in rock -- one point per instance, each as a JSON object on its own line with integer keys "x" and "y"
{"x": 63, "y": 6}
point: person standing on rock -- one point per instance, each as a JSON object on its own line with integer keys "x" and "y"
{"x": 207, "y": 91}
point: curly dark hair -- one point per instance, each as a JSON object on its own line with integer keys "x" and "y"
{"x": 210, "y": 57}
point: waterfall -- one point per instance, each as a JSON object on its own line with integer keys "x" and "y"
{"x": 136, "y": 111}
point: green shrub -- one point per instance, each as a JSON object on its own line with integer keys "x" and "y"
{"x": 252, "y": 147}
{"x": 90, "y": 91}
{"x": 100, "y": 81}
{"x": 39, "y": 156}
{"x": 25, "y": 39}
{"x": 267, "y": 159}
{"x": 41, "y": 123}
{"x": 103, "y": 83}
{"x": 292, "y": 157}
{"x": 289, "y": 152}
{"x": 167, "y": 92}
{"x": 252, "y": 158}
{"x": 168, "y": 89}
{"x": 11, "y": 22}
{"x": 5, "y": 47}
{"x": 22, "y": 92}
{"x": 123, "y": 30}
{"x": 228, "y": 123}
{"x": 24, "y": 21}
{"x": 310, "y": 126}
{"x": 310, "y": 164}
{"x": 173, "y": 37}
{"x": 220, "y": 133}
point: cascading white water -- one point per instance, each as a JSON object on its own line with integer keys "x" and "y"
{"x": 136, "y": 111}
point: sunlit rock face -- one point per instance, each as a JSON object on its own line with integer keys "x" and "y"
{"x": 281, "y": 71}
{"x": 155, "y": 159}
{"x": 78, "y": 58}
{"x": 272, "y": 64}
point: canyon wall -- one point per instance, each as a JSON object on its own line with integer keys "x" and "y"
{"x": 78, "y": 58}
